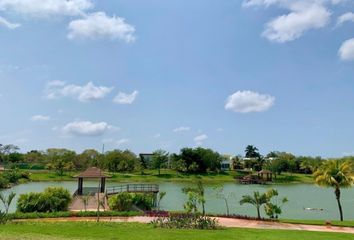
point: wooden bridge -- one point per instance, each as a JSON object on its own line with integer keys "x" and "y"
{"x": 133, "y": 188}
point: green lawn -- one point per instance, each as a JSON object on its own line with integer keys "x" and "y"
{"x": 134, "y": 231}
{"x": 346, "y": 223}
{"x": 169, "y": 175}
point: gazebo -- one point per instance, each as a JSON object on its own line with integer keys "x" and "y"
{"x": 91, "y": 173}
{"x": 265, "y": 175}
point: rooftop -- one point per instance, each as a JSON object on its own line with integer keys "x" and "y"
{"x": 92, "y": 172}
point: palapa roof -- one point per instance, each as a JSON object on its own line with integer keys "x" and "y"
{"x": 92, "y": 172}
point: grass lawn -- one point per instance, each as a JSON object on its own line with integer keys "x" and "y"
{"x": 135, "y": 231}
{"x": 169, "y": 175}
{"x": 346, "y": 223}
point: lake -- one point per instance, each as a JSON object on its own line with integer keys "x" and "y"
{"x": 300, "y": 196}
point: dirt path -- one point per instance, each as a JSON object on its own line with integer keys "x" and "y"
{"x": 225, "y": 222}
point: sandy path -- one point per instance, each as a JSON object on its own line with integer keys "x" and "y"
{"x": 225, "y": 222}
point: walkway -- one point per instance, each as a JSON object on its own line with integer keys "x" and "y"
{"x": 225, "y": 222}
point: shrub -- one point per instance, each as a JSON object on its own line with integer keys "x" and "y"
{"x": 186, "y": 221}
{"x": 3, "y": 217}
{"x": 4, "y": 183}
{"x": 35, "y": 215}
{"x": 51, "y": 200}
{"x": 121, "y": 202}
{"x": 143, "y": 201}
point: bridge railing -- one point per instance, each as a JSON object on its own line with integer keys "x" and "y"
{"x": 138, "y": 188}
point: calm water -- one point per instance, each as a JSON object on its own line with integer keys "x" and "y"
{"x": 300, "y": 196}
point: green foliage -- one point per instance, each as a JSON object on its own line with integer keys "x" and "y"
{"x": 337, "y": 174}
{"x": 3, "y": 217}
{"x": 121, "y": 161}
{"x": 4, "y": 182}
{"x": 196, "y": 196}
{"x": 159, "y": 159}
{"x": 121, "y": 202}
{"x": 60, "y": 160}
{"x": 197, "y": 160}
{"x": 272, "y": 208}
{"x": 160, "y": 196}
{"x": 6, "y": 201}
{"x": 186, "y": 221}
{"x": 51, "y": 200}
{"x": 143, "y": 201}
{"x": 35, "y": 215}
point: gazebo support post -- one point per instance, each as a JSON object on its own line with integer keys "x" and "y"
{"x": 80, "y": 186}
{"x": 103, "y": 184}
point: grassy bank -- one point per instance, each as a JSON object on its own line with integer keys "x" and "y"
{"x": 134, "y": 231}
{"x": 346, "y": 223}
{"x": 170, "y": 175}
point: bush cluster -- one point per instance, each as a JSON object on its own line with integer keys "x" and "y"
{"x": 12, "y": 176}
{"x": 124, "y": 201}
{"x": 186, "y": 221}
{"x": 35, "y": 215}
{"x": 51, "y": 200}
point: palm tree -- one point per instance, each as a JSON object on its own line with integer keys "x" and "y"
{"x": 336, "y": 174}
{"x": 256, "y": 200}
{"x": 6, "y": 201}
{"x": 251, "y": 152}
{"x": 160, "y": 197}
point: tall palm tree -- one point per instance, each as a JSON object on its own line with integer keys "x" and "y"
{"x": 251, "y": 152}
{"x": 256, "y": 200}
{"x": 336, "y": 174}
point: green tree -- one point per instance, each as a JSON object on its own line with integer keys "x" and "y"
{"x": 225, "y": 197}
{"x": 274, "y": 207}
{"x": 198, "y": 196}
{"x": 336, "y": 174}
{"x": 251, "y": 152}
{"x": 121, "y": 161}
{"x": 196, "y": 160}
{"x": 160, "y": 196}
{"x": 256, "y": 200}
{"x": 159, "y": 159}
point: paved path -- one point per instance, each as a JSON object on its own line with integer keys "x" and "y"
{"x": 225, "y": 222}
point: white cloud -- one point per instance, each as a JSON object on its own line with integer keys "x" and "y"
{"x": 346, "y": 51}
{"x": 248, "y": 101}
{"x": 46, "y": 8}
{"x": 99, "y": 25}
{"x": 122, "y": 141}
{"x": 125, "y": 98}
{"x": 291, "y": 26}
{"x": 40, "y": 118}
{"x": 87, "y": 128}
{"x": 199, "y": 140}
{"x": 346, "y": 17}
{"x": 182, "y": 129}
{"x": 85, "y": 93}
{"x": 304, "y": 15}
{"x": 6, "y": 23}
{"x": 157, "y": 135}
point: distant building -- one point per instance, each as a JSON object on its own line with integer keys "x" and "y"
{"x": 2, "y": 168}
{"x": 226, "y": 163}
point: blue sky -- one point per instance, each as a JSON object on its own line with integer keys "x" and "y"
{"x": 146, "y": 75}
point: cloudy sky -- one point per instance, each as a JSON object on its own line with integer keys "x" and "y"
{"x": 145, "y": 75}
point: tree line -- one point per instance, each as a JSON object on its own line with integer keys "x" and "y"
{"x": 187, "y": 160}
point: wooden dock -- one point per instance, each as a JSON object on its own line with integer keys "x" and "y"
{"x": 133, "y": 188}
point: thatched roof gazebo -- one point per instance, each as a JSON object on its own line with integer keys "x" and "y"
{"x": 265, "y": 175}
{"x": 91, "y": 173}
